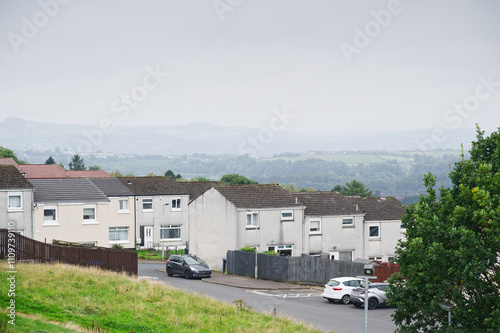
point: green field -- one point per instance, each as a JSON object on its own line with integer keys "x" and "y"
{"x": 355, "y": 158}
{"x": 63, "y": 298}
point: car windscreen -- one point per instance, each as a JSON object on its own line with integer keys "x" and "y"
{"x": 333, "y": 283}
{"x": 194, "y": 261}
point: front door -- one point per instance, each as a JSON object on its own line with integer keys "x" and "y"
{"x": 148, "y": 237}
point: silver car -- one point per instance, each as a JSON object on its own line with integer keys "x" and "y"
{"x": 376, "y": 295}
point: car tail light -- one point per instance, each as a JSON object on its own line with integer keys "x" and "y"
{"x": 338, "y": 288}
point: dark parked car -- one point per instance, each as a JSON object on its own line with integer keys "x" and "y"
{"x": 376, "y": 295}
{"x": 187, "y": 266}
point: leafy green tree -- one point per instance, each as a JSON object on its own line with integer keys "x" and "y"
{"x": 7, "y": 153}
{"x": 291, "y": 188}
{"x": 50, "y": 160}
{"x": 170, "y": 173}
{"x": 452, "y": 249}
{"x": 117, "y": 173}
{"x": 354, "y": 188}
{"x": 76, "y": 163}
{"x": 94, "y": 167}
{"x": 236, "y": 179}
{"x": 200, "y": 179}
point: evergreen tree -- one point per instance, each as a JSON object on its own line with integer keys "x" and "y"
{"x": 50, "y": 160}
{"x": 77, "y": 163}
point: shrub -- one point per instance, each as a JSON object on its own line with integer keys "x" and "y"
{"x": 248, "y": 249}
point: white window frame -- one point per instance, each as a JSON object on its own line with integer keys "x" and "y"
{"x": 120, "y": 209}
{"x": 120, "y": 241}
{"x": 147, "y": 209}
{"x": 90, "y": 221}
{"x": 170, "y": 227}
{"x": 347, "y": 225}
{"x": 315, "y": 232}
{"x": 50, "y": 222}
{"x": 254, "y": 220}
{"x": 175, "y": 204}
{"x": 369, "y": 231}
{"x": 16, "y": 208}
{"x": 287, "y": 218}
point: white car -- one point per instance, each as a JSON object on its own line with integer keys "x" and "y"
{"x": 340, "y": 289}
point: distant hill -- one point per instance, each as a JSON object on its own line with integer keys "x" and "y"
{"x": 21, "y": 135}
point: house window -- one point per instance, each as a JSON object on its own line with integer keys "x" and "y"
{"x": 123, "y": 205}
{"x": 176, "y": 204}
{"x": 287, "y": 215}
{"x": 252, "y": 220}
{"x": 88, "y": 214}
{"x": 15, "y": 201}
{"x": 315, "y": 227}
{"x": 118, "y": 234}
{"x": 348, "y": 222}
{"x": 49, "y": 214}
{"x": 170, "y": 232}
{"x": 345, "y": 256}
{"x": 147, "y": 204}
{"x": 374, "y": 231}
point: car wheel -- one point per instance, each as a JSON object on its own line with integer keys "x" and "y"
{"x": 187, "y": 274}
{"x": 331, "y": 300}
{"x": 372, "y": 303}
{"x": 169, "y": 271}
{"x": 345, "y": 299}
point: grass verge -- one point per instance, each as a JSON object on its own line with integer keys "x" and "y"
{"x": 64, "y": 298}
{"x": 156, "y": 254}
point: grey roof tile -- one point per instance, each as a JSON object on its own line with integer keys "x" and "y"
{"x": 157, "y": 185}
{"x": 11, "y": 178}
{"x": 258, "y": 196}
{"x": 380, "y": 209}
{"x": 196, "y": 189}
{"x": 112, "y": 187}
{"x": 326, "y": 203}
{"x": 66, "y": 190}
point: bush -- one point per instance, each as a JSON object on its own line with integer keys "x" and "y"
{"x": 248, "y": 249}
{"x": 271, "y": 253}
{"x": 117, "y": 247}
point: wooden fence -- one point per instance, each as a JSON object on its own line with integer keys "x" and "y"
{"x": 305, "y": 269}
{"x": 17, "y": 247}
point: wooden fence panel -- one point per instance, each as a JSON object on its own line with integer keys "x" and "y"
{"x": 305, "y": 269}
{"x": 30, "y": 249}
{"x": 384, "y": 271}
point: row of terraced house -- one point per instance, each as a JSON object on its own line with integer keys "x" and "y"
{"x": 47, "y": 203}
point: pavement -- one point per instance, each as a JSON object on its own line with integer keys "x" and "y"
{"x": 246, "y": 282}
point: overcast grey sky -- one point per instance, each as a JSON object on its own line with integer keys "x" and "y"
{"x": 335, "y": 65}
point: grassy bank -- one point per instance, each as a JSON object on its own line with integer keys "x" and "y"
{"x": 62, "y": 298}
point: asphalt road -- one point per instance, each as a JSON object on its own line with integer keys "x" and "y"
{"x": 301, "y": 305}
